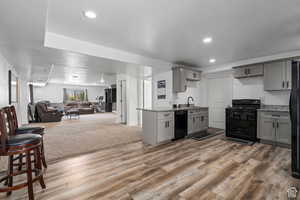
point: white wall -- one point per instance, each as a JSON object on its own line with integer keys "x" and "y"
{"x": 4, "y": 67}
{"x": 21, "y": 106}
{"x": 195, "y": 89}
{"x": 54, "y": 92}
{"x": 254, "y": 88}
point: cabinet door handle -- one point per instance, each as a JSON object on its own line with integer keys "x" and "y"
{"x": 273, "y": 124}
{"x": 282, "y": 84}
{"x": 277, "y": 124}
{"x": 166, "y": 124}
{"x": 275, "y": 115}
{"x": 287, "y": 84}
{"x": 249, "y": 71}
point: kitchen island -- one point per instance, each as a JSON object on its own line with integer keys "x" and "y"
{"x": 161, "y": 125}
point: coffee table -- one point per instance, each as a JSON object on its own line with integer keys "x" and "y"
{"x": 73, "y": 112}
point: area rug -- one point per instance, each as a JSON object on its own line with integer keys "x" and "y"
{"x": 84, "y": 135}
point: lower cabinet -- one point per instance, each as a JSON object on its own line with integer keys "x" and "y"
{"x": 197, "y": 120}
{"x": 267, "y": 129}
{"x": 158, "y": 127}
{"x": 283, "y": 131}
{"x": 274, "y": 127}
{"x": 165, "y": 130}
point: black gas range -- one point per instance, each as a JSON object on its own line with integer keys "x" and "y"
{"x": 241, "y": 119}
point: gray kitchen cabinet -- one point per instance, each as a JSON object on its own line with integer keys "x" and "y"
{"x": 197, "y": 120}
{"x": 165, "y": 130}
{"x": 197, "y": 124}
{"x": 203, "y": 120}
{"x": 190, "y": 123}
{"x": 158, "y": 127}
{"x": 267, "y": 129}
{"x": 283, "y": 131}
{"x": 179, "y": 80}
{"x": 274, "y": 127}
{"x": 288, "y": 74}
{"x": 248, "y": 71}
{"x": 182, "y": 75}
{"x": 277, "y": 75}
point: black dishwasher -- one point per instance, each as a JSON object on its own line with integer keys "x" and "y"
{"x": 180, "y": 124}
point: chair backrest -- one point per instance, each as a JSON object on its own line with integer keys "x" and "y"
{"x": 3, "y": 130}
{"x": 41, "y": 107}
{"x": 14, "y": 118}
{"x": 9, "y": 120}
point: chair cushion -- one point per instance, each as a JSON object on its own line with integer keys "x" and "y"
{"x": 31, "y": 130}
{"x": 23, "y": 139}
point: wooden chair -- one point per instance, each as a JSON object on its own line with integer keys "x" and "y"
{"x": 16, "y": 130}
{"x": 15, "y": 145}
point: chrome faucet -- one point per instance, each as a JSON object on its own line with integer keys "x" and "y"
{"x": 188, "y": 100}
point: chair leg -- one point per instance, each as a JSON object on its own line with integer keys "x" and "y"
{"x": 43, "y": 155}
{"x": 29, "y": 176}
{"x": 35, "y": 161}
{"x": 39, "y": 166}
{"x": 20, "y": 162}
{"x": 10, "y": 172}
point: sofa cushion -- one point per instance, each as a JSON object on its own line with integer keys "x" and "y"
{"x": 23, "y": 139}
{"x": 31, "y": 130}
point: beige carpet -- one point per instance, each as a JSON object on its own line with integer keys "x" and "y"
{"x": 87, "y": 134}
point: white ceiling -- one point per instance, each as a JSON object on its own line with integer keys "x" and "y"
{"x": 167, "y": 30}
{"x": 172, "y": 30}
{"x": 22, "y": 43}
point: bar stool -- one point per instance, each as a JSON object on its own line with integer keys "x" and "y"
{"x": 15, "y": 130}
{"x": 15, "y": 145}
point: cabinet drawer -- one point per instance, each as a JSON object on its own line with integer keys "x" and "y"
{"x": 275, "y": 115}
{"x": 165, "y": 115}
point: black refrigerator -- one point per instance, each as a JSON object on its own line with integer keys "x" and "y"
{"x": 295, "y": 118}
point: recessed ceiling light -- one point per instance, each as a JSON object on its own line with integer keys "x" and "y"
{"x": 90, "y": 14}
{"x": 75, "y": 76}
{"x": 212, "y": 60}
{"x": 207, "y": 40}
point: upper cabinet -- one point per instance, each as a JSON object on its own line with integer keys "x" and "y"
{"x": 277, "y": 75}
{"x": 248, "y": 71}
{"x": 181, "y": 76}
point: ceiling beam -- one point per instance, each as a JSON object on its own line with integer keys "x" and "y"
{"x": 57, "y": 41}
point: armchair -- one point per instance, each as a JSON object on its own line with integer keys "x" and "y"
{"x": 47, "y": 115}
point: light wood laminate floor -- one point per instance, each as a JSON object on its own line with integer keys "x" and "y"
{"x": 186, "y": 169}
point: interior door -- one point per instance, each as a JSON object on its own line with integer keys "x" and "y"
{"x": 219, "y": 97}
{"x": 123, "y": 101}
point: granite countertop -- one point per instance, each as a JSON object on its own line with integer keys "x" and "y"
{"x": 274, "y": 108}
{"x": 171, "y": 109}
